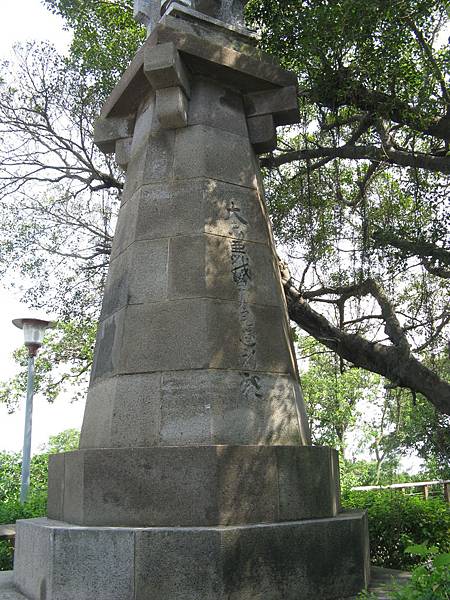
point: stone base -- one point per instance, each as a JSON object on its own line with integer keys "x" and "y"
{"x": 191, "y": 486}
{"x": 316, "y": 559}
{"x": 8, "y": 590}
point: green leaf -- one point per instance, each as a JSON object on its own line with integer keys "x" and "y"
{"x": 418, "y": 550}
{"x": 441, "y": 560}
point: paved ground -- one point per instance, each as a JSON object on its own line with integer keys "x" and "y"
{"x": 381, "y": 583}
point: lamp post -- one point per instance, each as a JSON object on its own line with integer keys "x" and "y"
{"x": 33, "y": 332}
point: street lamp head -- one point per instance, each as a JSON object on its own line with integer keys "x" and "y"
{"x": 33, "y": 332}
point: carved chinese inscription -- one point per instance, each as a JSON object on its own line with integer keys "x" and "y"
{"x": 242, "y": 277}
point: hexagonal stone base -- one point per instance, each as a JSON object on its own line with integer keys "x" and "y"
{"x": 193, "y": 486}
{"x": 323, "y": 558}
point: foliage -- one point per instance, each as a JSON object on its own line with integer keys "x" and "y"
{"x": 64, "y": 359}
{"x": 429, "y": 581}
{"x": 363, "y": 472}
{"x": 10, "y": 468}
{"x": 352, "y": 192}
{"x": 6, "y": 555}
{"x": 105, "y": 38}
{"x": 397, "y": 521}
{"x": 356, "y": 411}
{"x": 59, "y": 194}
{"x": 11, "y": 509}
{"x": 332, "y": 394}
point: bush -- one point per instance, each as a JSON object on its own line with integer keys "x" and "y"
{"x": 6, "y": 555}
{"x": 397, "y": 521}
{"x": 36, "y": 506}
{"x": 430, "y": 580}
{"x": 10, "y": 512}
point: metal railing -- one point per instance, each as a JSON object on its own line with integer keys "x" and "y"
{"x": 424, "y": 486}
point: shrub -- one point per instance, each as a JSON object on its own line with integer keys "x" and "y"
{"x": 11, "y": 511}
{"x": 36, "y": 506}
{"x": 397, "y": 521}
{"x": 6, "y": 555}
{"x": 430, "y": 580}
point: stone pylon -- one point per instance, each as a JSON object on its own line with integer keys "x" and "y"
{"x": 195, "y": 478}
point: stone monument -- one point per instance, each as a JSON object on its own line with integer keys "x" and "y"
{"x": 195, "y": 478}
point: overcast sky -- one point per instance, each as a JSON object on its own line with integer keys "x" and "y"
{"x": 20, "y": 22}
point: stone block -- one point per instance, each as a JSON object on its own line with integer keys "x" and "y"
{"x": 56, "y": 561}
{"x": 210, "y": 338}
{"x": 117, "y": 284}
{"x": 96, "y": 430}
{"x": 146, "y": 122}
{"x": 151, "y": 162}
{"x": 217, "y": 106}
{"x": 108, "y": 346}
{"x": 321, "y": 558}
{"x": 209, "y": 152}
{"x": 197, "y": 486}
{"x": 123, "y": 152}
{"x": 201, "y": 266}
{"x": 230, "y": 13}
{"x": 8, "y": 590}
{"x": 274, "y": 352}
{"x": 108, "y": 131}
{"x": 228, "y": 408}
{"x": 164, "y": 68}
{"x": 32, "y": 558}
{"x": 74, "y": 487}
{"x": 123, "y": 411}
{"x": 262, "y": 133}
{"x": 281, "y": 103}
{"x": 171, "y": 341}
{"x": 247, "y": 484}
{"x": 172, "y": 108}
{"x": 238, "y": 38}
{"x": 148, "y": 275}
{"x": 56, "y": 486}
{"x": 324, "y": 558}
{"x": 136, "y": 415}
{"x": 129, "y": 91}
{"x": 309, "y": 472}
{"x": 178, "y": 564}
{"x": 195, "y": 206}
{"x": 206, "y": 54}
{"x": 187, "y": 407}
{"x": 126, "y": 227}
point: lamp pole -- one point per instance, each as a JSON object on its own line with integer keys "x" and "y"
{"x": 34, "y": 330}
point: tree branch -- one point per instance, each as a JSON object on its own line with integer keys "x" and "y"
{"x": 341, "y": 89}
{"x": 392, "y": 156}
{"x": 388, "y": 361}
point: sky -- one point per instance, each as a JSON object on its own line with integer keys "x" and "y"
{"x": 21, "y": 22}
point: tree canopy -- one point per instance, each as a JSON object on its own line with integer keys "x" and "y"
{"x": 358, "y": 192}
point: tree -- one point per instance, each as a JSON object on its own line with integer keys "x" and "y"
{"x": 358, "y": 192}
{"x": 63, "y": 363}
{"x": 372, "y": 425}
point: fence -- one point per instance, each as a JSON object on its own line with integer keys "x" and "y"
{"x": 423, "y": 486}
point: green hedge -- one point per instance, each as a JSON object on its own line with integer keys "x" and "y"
{"x": 397, "y": 520}
{"x": 6, "y": 555}
{"x": 11, "y": 511}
